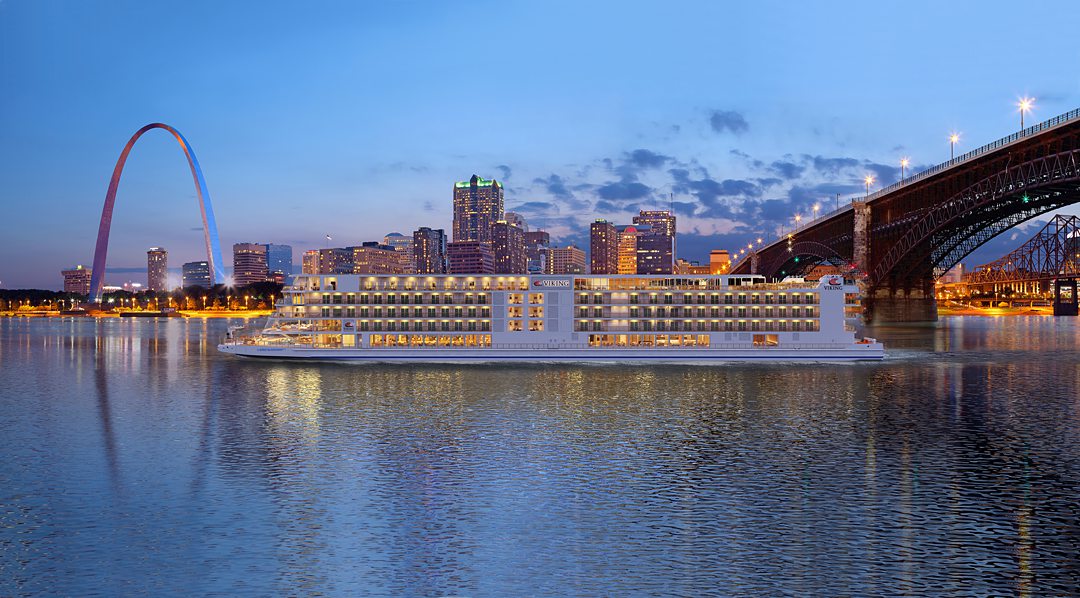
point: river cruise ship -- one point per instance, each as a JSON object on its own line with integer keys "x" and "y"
{"x": 490, "y": 318}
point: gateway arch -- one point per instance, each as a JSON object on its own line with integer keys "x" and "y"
{"x": 213, "y": 247}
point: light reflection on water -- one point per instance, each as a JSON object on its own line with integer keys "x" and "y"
{"x": 137, "y": 460}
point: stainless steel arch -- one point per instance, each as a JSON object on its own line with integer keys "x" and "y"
{"x": 213, "y": 247}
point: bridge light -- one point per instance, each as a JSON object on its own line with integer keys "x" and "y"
{"x": 953, "y": 138}
{"x": 869, "y": 180}
{"x": 903, "y": 166}
{"x": 1025, "y": 104}
{"x": 1026, "y": 198}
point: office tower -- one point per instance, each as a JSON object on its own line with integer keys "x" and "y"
{"x": 77, "y": 280}
{"x": 565, "y": 260}
{"x": 196, "y": 274}
{"x": 654, "y": 254}
{"x": 429, "y": 250}
{"x": 508, "y": 248}
{"x": 478, "y": 205}
{"x": 336, "y": 260}
{"x": 470, "y": 257}
{"x": 518, "y": 219}
{"x": 375, "y": 258}
{"x": 659, "y": 257}
{"x": 627, "y": 247}
{"x": 661, "y": 221}
{"x": 537, "y": 243}
{"x": 310, "y": 263}
{"x": 719, "y": 261}
{"x": 249, "y": 263}
{"x": 279, "y": 258}
{"x": 603, "y": 248}
{"x": 157, "y": 269}
{"x": 403, "y": 244}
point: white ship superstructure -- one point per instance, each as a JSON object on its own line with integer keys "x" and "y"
{"x": 477, "y": 318}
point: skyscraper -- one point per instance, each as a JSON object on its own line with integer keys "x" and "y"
{"x": 403, "y": 244}
{"x": 77, "y": 280}
{"x": 536, "y": 246}
{"x": 603, "y": 248}
{"x": 565, "y": 260}
{"x": 659, "y": 257}
{"x": 470, "y": 257}
{"x": 478, "y": 205}
{"x": 336, "y": 260}
{"x": 279, "y": 258}
{"x": 196, "y": 274}
{"x": 508, "y": 248}
{"x": 518, "y": 219}
{"x": 157, "y": 269}
{"x": 429, "y": 250}
{"x": 628, "y": 236}
{"x": 310, "y": 264}
{"x": 249, "y": 263}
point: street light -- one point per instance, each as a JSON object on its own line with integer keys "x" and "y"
{"x": 903, "y": 166}
{"x": 816, "y": 208}
{"x": 1025, "y": 105}
{"x": 953, "y": 138}
{"x": 798, "y": 219}
{"x": 869, "y": 180}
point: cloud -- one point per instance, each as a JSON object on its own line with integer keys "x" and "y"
{"x": 786, "y": 169}
{"x": 830, "y": 166}
{"x": 428, "y": 206}
{"x": 643, "y": 158}
{"x": 504, "y": 170}
{"x": 728, "y": 120}
{"x": 556, "y": 186}
{"x": 623, "y": 191}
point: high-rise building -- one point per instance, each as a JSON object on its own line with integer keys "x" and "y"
{"x": 77, "y": 280}
{"x": 196, "y": 274}
{"x": 603, "y": 248}
{"x": 478, "y": 205}
{"x": 403, "y": 244}
{"x": 537, "y": 243}
{"x": 249, "y": 263}
{"x": 565, "y": 260}
{"x": 508, "y": 248}
{"x": 659, "y": 257}
{"x": 279, "y": 258}
{"x": 661, "y": 221}
{"x": 375, "y": 258}
{"x": 719, "y": 261}
{"x": 310, "y": 263}
{"x": 470, "y": 257}
{"x": 517, "y": 219}
{"x": 157, "y": 269}
{"x": 627, "y": 249}
{"x": 654, "y": 254}
{"x": 336, "y": 260}
{"x": 429, "y": 250}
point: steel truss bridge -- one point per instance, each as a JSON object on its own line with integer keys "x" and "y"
{"x": 1051, "y": 254}
{"x": 903, "y": 237}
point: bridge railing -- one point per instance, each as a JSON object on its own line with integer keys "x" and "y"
{"x": 975, "y": 153}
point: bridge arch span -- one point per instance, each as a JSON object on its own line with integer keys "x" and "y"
{"x": 795, "y": 260}
{"x": 213, "y": 246}
{"x": 940, "y": 237}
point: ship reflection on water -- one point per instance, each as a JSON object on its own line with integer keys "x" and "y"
{"x": 139, "y": 458}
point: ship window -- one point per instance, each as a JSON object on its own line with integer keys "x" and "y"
{"x": 514, "y": 298}
{"x": 536, "y": 325}
{"x": 376, "y": 340}
{"x": 536, "y": 312}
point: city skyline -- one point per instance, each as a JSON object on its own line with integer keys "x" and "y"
{"x": 740, "y": 159}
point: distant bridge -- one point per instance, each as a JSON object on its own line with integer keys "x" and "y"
{"x": 1051, "y": 254}
{"x": 213, "y": 246}
{"x": 901, "y": 238}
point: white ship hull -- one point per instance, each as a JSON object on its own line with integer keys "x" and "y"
{"x": 864, "y": 352}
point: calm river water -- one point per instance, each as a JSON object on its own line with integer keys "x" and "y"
{"x": 135, "y": 460}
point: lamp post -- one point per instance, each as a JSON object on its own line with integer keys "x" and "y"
{"x": 1025, "y": 105}
{"x": 903, "y": 167}
{"x": 953, "y": 138}
{"x": 798, "y": 219}
{"x": 869, "y": 180}
{"x": 816, "y": 208}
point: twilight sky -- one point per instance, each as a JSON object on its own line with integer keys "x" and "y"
{"x": 355, "y": 119}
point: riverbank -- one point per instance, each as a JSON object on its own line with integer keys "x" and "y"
{"x": 967, "y": 310}
{"x": 205, "y": 314}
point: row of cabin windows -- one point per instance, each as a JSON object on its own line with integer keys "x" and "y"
{"x": 702, "y": 298}
{"x": 700, "y": 312}
{"x": 726, "y": 326}
{"x": 412, "y": 284}
{"x": 420, "y": 326}
{"x": 392, "y": 298}
{"x": 405, "y": 312}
